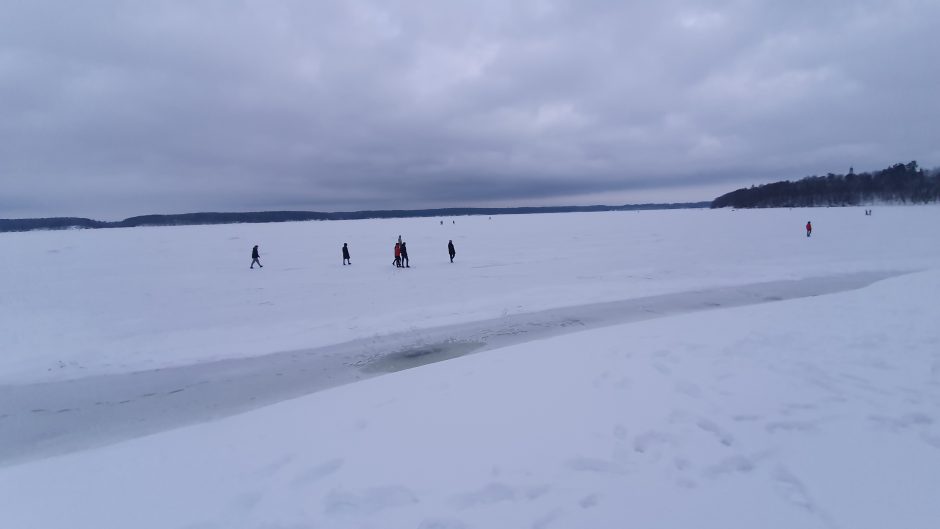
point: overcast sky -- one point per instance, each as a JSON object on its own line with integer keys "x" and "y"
{"x": 113, "y": 109}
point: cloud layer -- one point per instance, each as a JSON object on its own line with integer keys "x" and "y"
{"x": 112, "y": 109}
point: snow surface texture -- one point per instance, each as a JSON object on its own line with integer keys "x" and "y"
{"x": 59, "y": 417}
{"x": 812, "y": 412}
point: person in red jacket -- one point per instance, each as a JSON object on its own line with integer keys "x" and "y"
{"x": 397, "y": 261}
{"x": 809, "y": 228}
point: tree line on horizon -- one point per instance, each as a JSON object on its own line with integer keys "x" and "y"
{"x": 190, "y": 219}
{"x": 898, "y": 184}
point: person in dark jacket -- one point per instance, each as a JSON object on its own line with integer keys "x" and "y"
{"x": 451, "y": 251}
{"x": 254, "y": 258}
{"x": 404, "y": 256}
{"x": 809, "y": 228}
{"x": 346, "y": 255}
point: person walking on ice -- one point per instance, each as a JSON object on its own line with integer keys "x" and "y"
{"x": 397, "y": 261}
{"x": 404, "y": 256}
{"x": 254, "y": 258}
{"x": 809, "y": 228}
{"x": 346, "y": 255}
{"x": 450, "y": 250}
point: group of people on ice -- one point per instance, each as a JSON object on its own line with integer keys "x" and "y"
{"x": 401, "y": 254}
{"x": 401, "y": 250}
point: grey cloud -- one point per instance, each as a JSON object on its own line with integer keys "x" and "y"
{"x": 117, "y": 108}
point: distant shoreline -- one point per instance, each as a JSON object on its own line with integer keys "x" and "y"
{"x": 258, "y": 217}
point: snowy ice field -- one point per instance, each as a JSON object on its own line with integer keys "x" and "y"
{"x": 670, "y": 369}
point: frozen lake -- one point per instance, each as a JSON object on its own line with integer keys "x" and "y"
{"x": 652, "y": 368}
{"x": 90, "y": 302}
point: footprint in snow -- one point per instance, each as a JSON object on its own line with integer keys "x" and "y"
{"x": 790, "y": 426}
{"x": 662, "y": 368}
{"x": 368, "y": 501}
{"x": 547, "y": 519}
{"x": 314, "y": 474}
{"x": 898, "y": 424}
{"x": 931, "y": 439}
{"x": 791, "y": 489}
{"x": 442, "y": 523}
{"x": 270, "y": 469}
{"x": 651, "y": 441}
{"x": 621, "y": 432}
{"x": 590, "y": 464}
{"x": 717, "y": 431}
{"x": 491, "y": 493}
{"x": 589, "y": 501}
{"x": 689, "y": 389}
{"x": 732, "y": 465}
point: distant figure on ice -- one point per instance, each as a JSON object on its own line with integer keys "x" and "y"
{"x": 404, "y": 256}
{"x": 809, "y": 228}
{"x": 397, "y": 261}
{"x": 451, "y": 251}
{"x": 254, "y": 258}
{"x": 346, "y": 255}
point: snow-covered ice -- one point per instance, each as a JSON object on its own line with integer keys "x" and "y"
{"x": 789, "y": 411}
{"x": 63, "y": 416}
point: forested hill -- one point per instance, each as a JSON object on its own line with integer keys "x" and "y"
{"x": 58, "y": 223}
{"x": 900, "y": 183}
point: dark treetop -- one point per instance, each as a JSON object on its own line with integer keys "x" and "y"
{"x": 900, "y": 184}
